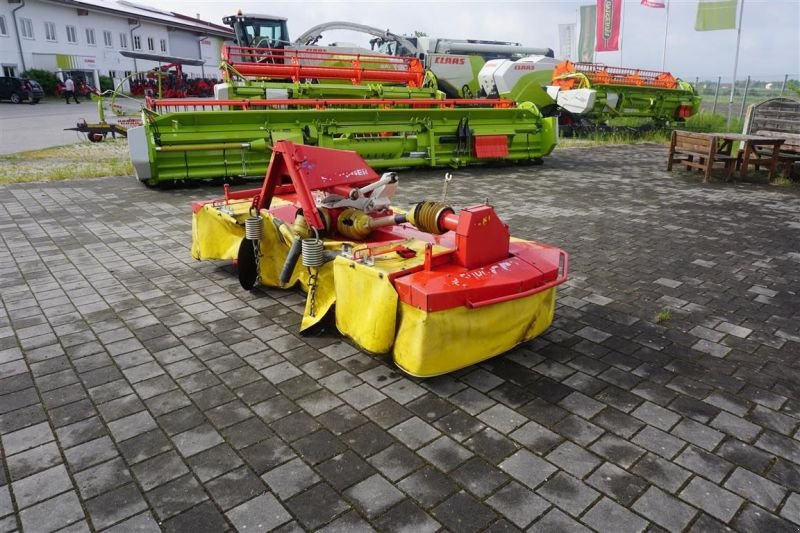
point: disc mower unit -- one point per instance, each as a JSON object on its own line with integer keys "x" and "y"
{"x": 438, "y": 289}
{"x": 204, "y": 139}
{"x": 628, "y": 92}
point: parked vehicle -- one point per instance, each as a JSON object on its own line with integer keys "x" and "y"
{"x": 20, "y": 89}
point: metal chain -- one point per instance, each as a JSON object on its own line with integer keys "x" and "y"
{"x": 312, "y": 291}
{"x": 257, "y": 252}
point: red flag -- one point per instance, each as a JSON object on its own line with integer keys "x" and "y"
{"x": 609, "y": 15}
{"x": 654, "y": 3}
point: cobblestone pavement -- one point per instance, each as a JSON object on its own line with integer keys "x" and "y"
{"x": 141, "y": 390}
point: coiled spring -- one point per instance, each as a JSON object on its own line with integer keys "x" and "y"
{"x": 426, "y": 216}
{"x": 313, "y": 253}
{"x": 253, "y": 228}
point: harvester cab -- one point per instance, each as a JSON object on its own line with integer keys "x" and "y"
{"x": 259, "y": 31}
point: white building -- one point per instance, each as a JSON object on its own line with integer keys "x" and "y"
{"x": 83, "y": 38}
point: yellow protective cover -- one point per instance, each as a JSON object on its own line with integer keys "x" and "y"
{"x": 430, "y": 344}
{"x": 366, "y": 305}
{"x": 216, "y": 235}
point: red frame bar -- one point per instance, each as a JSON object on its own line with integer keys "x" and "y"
{"x": 298, "y": 64}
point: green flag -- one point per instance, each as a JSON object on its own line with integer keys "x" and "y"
{"x": 586, "y": 37}
{"x": 715, "y": 15}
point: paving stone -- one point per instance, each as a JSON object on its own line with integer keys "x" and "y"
{"x": 290, "y": 478}
{"x": 395, "y": 462}
{"x": 141, "y": 523}
{"x": 791, "y": 509}
{"x": 101, "y": 478}
{"x": 527, "y": 468}
{"x": 262, "y": 513}
{"x": 214, "y": 462}
{"x": 367, "y": 440}
{"x": 618, "y": 422}
{"x": 346, "y": 523}
{"x": 428, "y": 486}
{"x": 344, "y": 470}
{"x": 491, "y": 444}
{"x": 32, "y": 461}
{"x": 664, "y": 510}
{"x": 735, "y": 426}
{"x": 201, "y": 517}
{"x": 706, "y": 464}
{"x": 554, "y": 520}
{"x": 573, "y": 459}
{"x": 462, "y": 512}
{"x": 52, "y": 514}
{"x": 266, "y": 455}
{"x": 363, "y": 396}
{"x": 445, "y": 453}
{"x": 698, "y": 434}
{"x": 131, "y": 426}
{"x": 616, "y": 483}
{"x": 386, "y": 413}
{"x": 159, "y": 470}
{"x": 743, "y": 454}
{"x": 144, "y": 446}
{"x": 319, "y": 446}
{"x": 342, "y": 419}
{"x": 717, "y": 502}
{"x": 235, "y": 487}
{"x": 518, "y": 504}
{"x": 502, "y": 418}
{"x": 756, "y": 489}
{"x": 27, "y": 438}
{"x": 176, "y": 496}
{"x": 373, "y": 495}
{"x": 663, "y": 473}
{"x": 568, "y": 493}
{"x": 655, "y": 415}
{"x": 38, "y": 487}
{"x": 196, "y": 440}
{"x": 114, "y": 506}
{"x": 414, "y": 432}
{"x": 616, "y": 450}
{"x": 608, "y": 516}
{"x": 658, "y": 442}
{"x": 409, "y": 518}
{"x": 779, "y": 445}
{"x": 753, "y": 518}
{"x": 479, "y": 477}
{"x": 536, "y": 437}
{"x": 578, "y": 430}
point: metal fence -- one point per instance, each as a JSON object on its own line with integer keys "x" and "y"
{"x": 716, "y": 93}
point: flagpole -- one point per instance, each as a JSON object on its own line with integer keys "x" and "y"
{"x": 621, "y": 29}
{"x": 666, "y": 30}
{"x": 735, "y": 64}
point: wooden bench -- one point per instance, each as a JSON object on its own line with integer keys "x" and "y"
{"x": 778, "y": 118}
{"x": 699, "y": 151}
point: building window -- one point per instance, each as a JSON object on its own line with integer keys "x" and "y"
{"x": 107, "y": 39}
{"x": 9, "y": 71}
{"x": 123, "y": 40}
{"x": 137, "y": 42}
{"x": 72, "y": 35}
{"x": 164, "y": 45}
{"x": 50, "y": 31}
{"x": 3, "y": 30}
{"x": 151, "y": 44}
{"x": 27, "y": 28}
{"x": 90, "y": 36}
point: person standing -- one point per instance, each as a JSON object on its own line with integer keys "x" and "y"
{"x": 69, "y": 90}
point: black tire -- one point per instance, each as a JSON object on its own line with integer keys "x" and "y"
{"x": 15, "y": 98}
{"x": 246, "y": 265}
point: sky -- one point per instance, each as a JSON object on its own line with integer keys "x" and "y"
{"x": 770, "y": 41}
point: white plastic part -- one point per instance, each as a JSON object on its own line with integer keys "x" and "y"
{"x": 577, "y": 101}
{"x": 137, "y": 145}
{"x": 222, "y": 91}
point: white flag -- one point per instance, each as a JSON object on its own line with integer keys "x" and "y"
{"x": 566, "y": 40}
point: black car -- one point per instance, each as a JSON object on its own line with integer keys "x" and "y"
{"x": 20, "y": 89}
